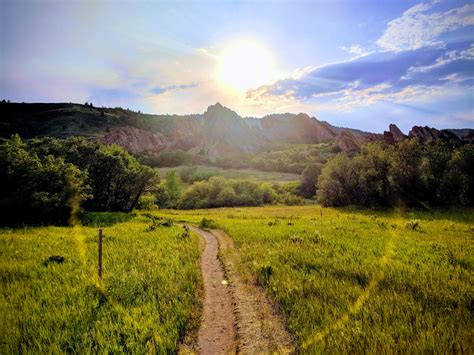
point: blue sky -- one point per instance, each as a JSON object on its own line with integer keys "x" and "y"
{"x": 360, "y": 64}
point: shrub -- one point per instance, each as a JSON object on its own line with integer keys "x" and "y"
{"x": 147, "y": 202}
{"x": 413, "y": 225}
{"x": 207, "y": 224}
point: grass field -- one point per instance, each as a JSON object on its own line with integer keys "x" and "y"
{"x": 241, "y": 174}
{"x": 358, "y": 281}
{"x": 144, "y": 303}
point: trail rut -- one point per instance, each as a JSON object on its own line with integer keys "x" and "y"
{"x": 237, "y": 317}
{"x": 217, "y": 332}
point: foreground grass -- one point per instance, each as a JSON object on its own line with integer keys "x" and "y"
{"x": 355, "y": 281}
{"x": 144, "y": 302}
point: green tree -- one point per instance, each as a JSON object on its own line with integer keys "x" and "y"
{"x": 308, "y": 180}
{"x": 406, "y": 173}
{"x": 37, "y": 189}
{"x": 116, "y": 178}
{"x": 196, "y": 196}
{"x": 373, "y": 165}
{"x": 172, "y": 187}
{"x": 338, "y": 184}
{"x": 226, "y": 197}
{"x": 435, "y": 163}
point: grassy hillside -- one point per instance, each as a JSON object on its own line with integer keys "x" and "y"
{"x": 66, "y": 119}
{"x": 358, "y": 281}
{"x": 144, "y": 303}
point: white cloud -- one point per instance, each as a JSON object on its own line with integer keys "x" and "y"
{"x": 416, "y": 28}
{"x": 448, "y": 57}
{"x": 352, "y": 99}
{"x": 357, "y": 50}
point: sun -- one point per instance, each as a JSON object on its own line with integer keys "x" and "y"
{"x": 245, "y": 64}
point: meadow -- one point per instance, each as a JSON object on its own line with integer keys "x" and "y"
{"x": 350, "y": 280}
{"x": 51, "y": 300}
{"x": 241, "y": 174}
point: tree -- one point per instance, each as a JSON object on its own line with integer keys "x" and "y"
{"x": 172, "y": 186}
{"x": 308, "y": 180}
{"x": 406, "y": 173}
{"x": 338, "y": 184}
{"x": 195, "y": 196}
{"x": 374, "y": 165}
{"x": 268, "y": 193}
{"x": 38, "y": 189}
{"x": 434, "y": 167}
{"x": 464, "y": 162}
{"x": 226, "y": 197}
{"x": 116, "y": 178}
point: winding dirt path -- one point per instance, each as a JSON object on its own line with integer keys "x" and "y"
{"x": 237, "y": 316}
{"x": 217, "y": 332}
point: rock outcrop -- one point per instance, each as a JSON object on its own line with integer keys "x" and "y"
{"x": 396, "y": 133}
{"x": 427, "y": 134}
{"x": 346, "y": 141}
{"x": 393, "y": 135}
{"x": 217, "y": 133}
{"x": 388, "y": 137}
{"x": 135, "y": 140}
{"x": 296, "y": 129}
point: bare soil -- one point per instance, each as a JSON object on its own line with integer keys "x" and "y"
{"x": 217, "y": 332}
{"x": 237, "y": 316}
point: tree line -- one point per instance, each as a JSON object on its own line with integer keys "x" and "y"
{"x": 52, "y": 181}
{"x": 49, "y": 180}
{"x": 408, "y": 173}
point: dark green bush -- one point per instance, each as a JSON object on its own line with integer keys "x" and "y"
{"x": 207, "y": 224}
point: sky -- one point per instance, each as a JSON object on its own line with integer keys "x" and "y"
{"x": 361, "y": 64}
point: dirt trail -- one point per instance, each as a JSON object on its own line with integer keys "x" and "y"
{"x": 237, "y": 317}
{"x": 217, "y": 332}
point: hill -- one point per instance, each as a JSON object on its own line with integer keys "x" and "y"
{"x": 217, "y": 134}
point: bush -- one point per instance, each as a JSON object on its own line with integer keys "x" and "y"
{"x": 147, "y": 202}
{"x": 222, "y": 192}
{"x": 207, "y": 224}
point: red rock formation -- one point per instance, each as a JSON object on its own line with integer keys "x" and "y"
{"x": 396, "y": 133}
{"x": 427, "y": 135}
{"x": 296, "y": 129}
{"x": 346, "y": 141}
{"x": 388, "y": 137}
{"x": 135, "y": 140}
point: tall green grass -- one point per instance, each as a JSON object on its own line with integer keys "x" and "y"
{"x": 360, "y": 281}
{"x": 144, "y": 302}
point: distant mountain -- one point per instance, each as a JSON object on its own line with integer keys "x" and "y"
{"x": 219, "y": 132}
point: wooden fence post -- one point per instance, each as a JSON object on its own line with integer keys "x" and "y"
{"x": 100, "y": 255}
